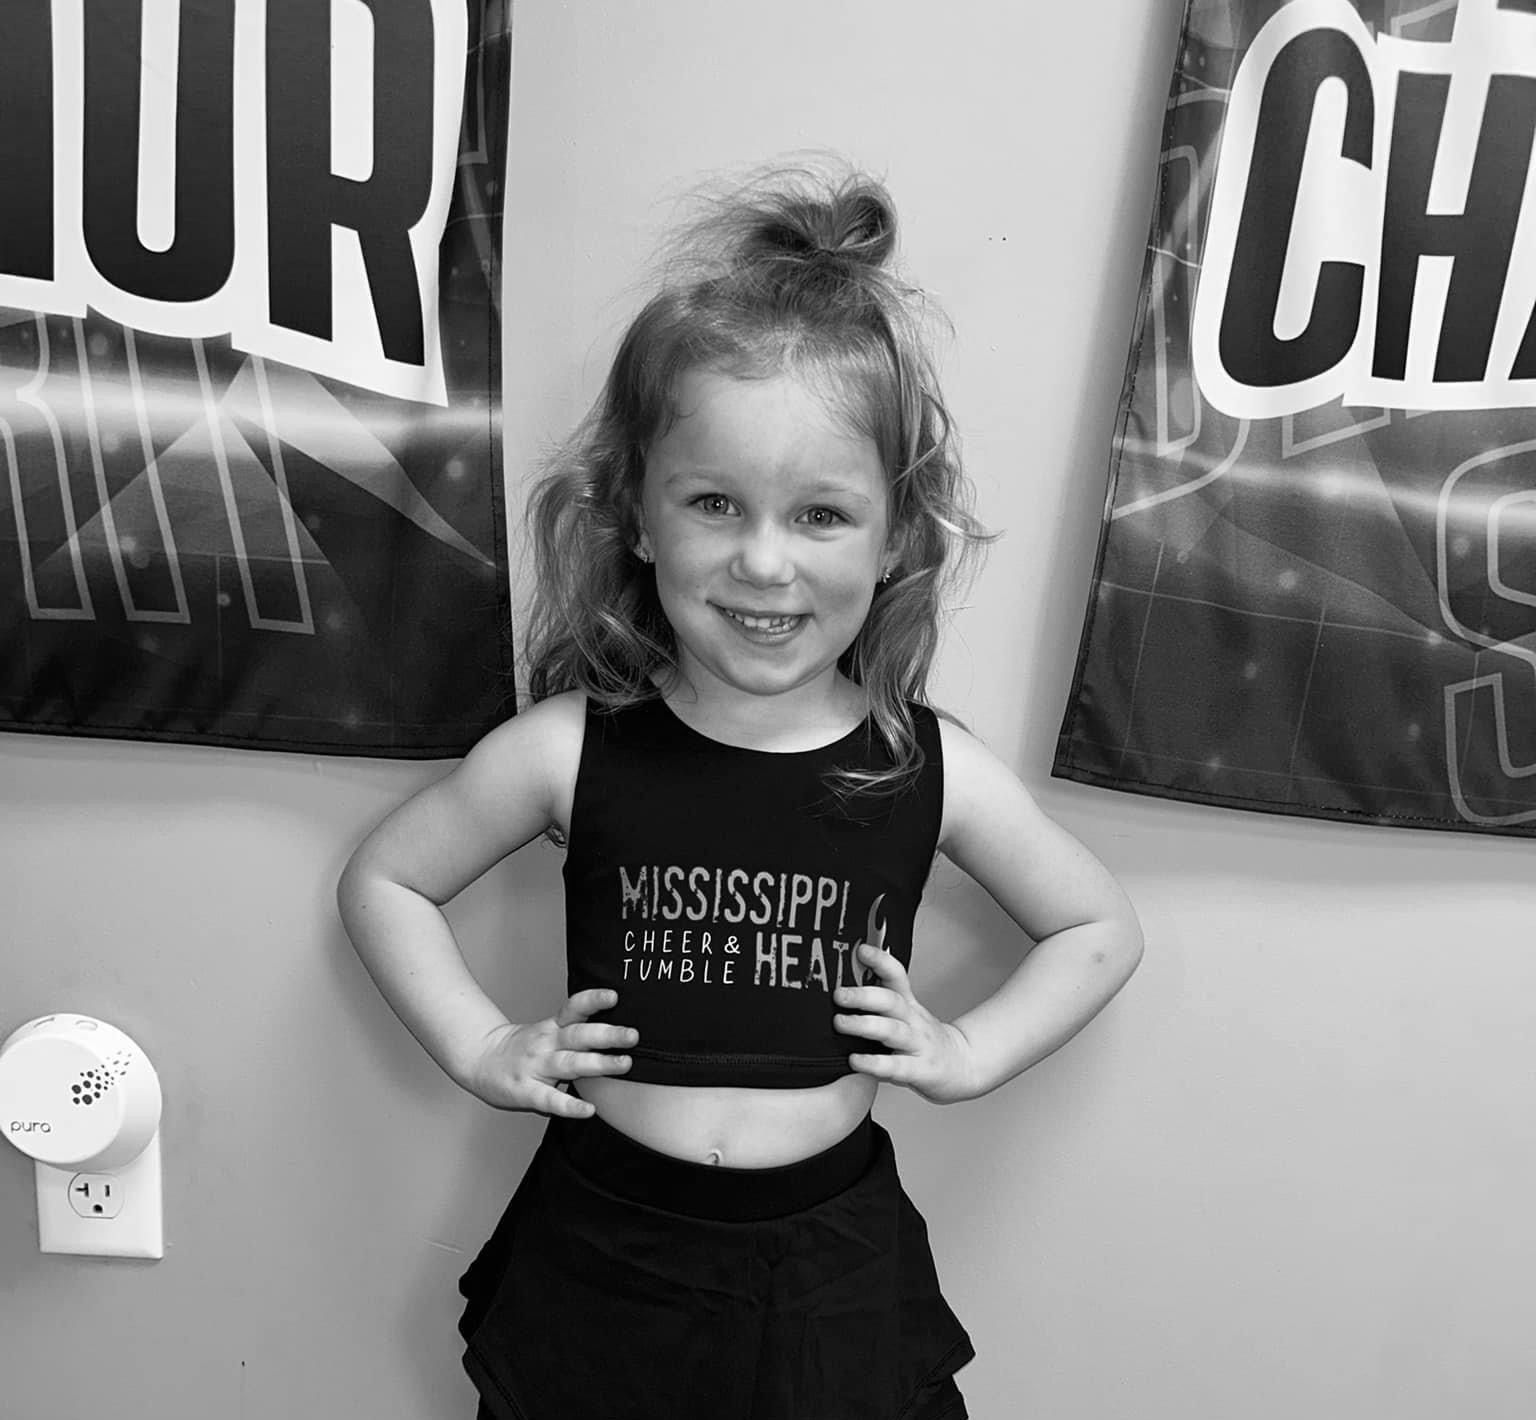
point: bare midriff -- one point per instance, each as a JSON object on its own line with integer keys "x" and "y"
{"x": 731, "y": 1126}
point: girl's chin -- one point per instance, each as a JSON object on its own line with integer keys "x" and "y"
{"x": 761, "y": 674}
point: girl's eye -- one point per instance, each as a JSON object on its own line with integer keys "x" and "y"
{"x": 713, "y": 503}
{"x": 824, "y": 517}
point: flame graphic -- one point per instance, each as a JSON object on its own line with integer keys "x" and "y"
{"x": 874, "y": 932}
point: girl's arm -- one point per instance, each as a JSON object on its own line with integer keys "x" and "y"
{"x": 512, "y": 786}
{"x": 1087, "y": 938}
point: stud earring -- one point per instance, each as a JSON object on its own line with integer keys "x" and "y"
{"x": 885, "y": 576}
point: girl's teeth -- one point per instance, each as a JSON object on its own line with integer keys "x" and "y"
{"x": 764, "y": 623}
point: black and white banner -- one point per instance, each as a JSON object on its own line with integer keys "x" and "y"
{"x": 250, "y": 473}
{"x": 1316, "y": 586}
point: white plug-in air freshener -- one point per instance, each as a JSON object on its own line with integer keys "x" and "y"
{"x": 80, "y": 1098}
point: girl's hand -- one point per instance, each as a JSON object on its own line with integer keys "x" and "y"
{"x": 523, "y": 1067}
{"x": 931, "y": 1057}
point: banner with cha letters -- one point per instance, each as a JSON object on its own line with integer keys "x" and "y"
{"x": 1316, "y": 584}
{"x": 250, "y": 473}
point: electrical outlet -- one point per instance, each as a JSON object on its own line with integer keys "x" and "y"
{"x": 96, "y": 1195}
{"x": 102, "y": 1214}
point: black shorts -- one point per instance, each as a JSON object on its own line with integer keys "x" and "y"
{"x": 624, "y": 1284}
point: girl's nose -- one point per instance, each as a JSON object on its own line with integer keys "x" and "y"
{"x": 762, "y": 557}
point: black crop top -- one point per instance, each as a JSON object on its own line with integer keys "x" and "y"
{"x": 721, "y": 892}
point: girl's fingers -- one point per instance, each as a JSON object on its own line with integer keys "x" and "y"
{"x": 882, "y": 963}
{"x": 573, "y": 1064}
{"x": 587, "y": 1036}
{"x": 882, "y": 1028}
{"x": 557, "y": 1102}
{"x": 584, "y": 1004}
{"x": 892, "y": 1068}
{"x": 868, "y": 998}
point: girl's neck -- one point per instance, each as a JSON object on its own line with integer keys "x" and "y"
{"x": 804, "y": 718}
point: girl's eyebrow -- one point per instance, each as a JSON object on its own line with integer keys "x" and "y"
{"x": 840, "y": 490}
{"x": 829, "y": 487}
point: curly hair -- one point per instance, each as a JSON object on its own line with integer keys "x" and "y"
{"x": 785, "y": 273}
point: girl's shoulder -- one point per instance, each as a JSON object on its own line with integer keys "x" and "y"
{"x": 552, "y": 726}
{"x": 534, "y": 753}
{"x": 958, "y": 738}
{"x": 995, "y": 831}
{"x": 979, "y": 787}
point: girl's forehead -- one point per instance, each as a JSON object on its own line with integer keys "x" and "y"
{"x": 705, "y": 388}
{"x": 781, "y": 412}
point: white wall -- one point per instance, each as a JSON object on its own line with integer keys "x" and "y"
{"x": 1288, "y": 1173}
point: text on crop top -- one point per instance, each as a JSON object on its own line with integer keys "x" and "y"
{"x": 721, "y": 892}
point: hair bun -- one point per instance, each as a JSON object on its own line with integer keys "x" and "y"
{"x": 855, "y": 222}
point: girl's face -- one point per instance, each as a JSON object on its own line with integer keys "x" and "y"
{"x": 767, "y": 519}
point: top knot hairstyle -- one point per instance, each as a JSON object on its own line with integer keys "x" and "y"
{"x": 853, "y": 223}
{"x": 788, "y": 273}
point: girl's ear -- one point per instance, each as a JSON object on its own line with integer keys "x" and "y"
{"x": 639, "y": 542}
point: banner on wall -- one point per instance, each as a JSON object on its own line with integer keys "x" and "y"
{"x": 1316, "y": 584}
{"x": 250, "y": 472}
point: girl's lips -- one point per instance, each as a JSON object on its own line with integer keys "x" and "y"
{"x": 763, "y": 628}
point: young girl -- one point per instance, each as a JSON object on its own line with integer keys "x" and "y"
{"x": 741, "y": 555}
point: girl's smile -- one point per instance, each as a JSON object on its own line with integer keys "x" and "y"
{"x": 766, "y": 516}
{"x": 767, "y": 629}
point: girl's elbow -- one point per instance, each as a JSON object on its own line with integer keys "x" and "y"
{"x": 346, "y": 888}
{"x": 1119, "y": 950}
{"x": 1132, "y": 946}
{"x": 1138, "y": 948}
{"x": 352, "y": 884}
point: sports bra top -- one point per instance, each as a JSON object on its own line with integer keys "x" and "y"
{"x": 721, "y": 892}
